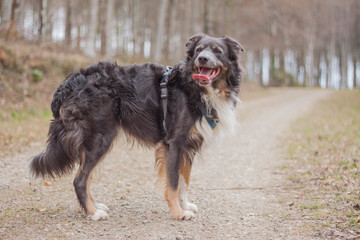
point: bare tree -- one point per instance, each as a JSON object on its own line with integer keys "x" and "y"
{"x": 42, "y": 18}
{"x": 90, "y": 48}
{"x": 108, "y": 27}
{"x": 68, "y": 24}
{"x": 168, "y": 24}
{"x": 160, "y": 30}
{"x": 12, "y": 32}
{"x": 5, "y": 15}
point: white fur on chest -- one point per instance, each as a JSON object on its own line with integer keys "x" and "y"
{"x": 226, "y": 113}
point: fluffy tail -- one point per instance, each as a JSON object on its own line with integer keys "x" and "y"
{"x": 64, "y": 145}
{"x": 62, "y": 152}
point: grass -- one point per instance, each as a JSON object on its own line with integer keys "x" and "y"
{"x": 324, "y": 155}
{"x": 29, "y": 75}
{"x": 22, "y": 128}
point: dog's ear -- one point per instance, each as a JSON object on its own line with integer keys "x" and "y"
{"x": 234, "y": 45}
{"x": 234, "y": 48}
{"x": 191, "y": 43}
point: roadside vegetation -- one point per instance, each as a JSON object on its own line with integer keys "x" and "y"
{"x": 28, "y": 77}
{"x": 324, "y": 166}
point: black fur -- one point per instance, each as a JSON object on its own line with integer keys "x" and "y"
{"x": 91, "y": 106}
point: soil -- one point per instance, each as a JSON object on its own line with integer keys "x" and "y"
{"x": 238, "y": 185}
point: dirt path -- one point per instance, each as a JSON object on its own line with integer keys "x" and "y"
{"x": 235, "y": 185}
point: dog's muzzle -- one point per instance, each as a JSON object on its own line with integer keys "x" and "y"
{"x": 208, "y": 68}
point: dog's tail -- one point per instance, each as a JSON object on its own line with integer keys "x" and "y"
{"x": 66, "y": 133}
{"x": 63, "y": 150}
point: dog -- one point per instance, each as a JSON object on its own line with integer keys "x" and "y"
{"x": 91, "y": 106}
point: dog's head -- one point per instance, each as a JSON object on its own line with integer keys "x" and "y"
{"x": 210, "y": 58}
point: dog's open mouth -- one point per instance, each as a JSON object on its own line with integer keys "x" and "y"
{"x": 206, "y": 75}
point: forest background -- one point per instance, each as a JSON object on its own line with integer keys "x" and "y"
{"x": 293, "y": 43}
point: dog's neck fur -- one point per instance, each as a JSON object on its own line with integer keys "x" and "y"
{"x": 226, "y": 113}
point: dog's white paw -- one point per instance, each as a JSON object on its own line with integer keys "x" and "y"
{"x": 183, "y": 215}
{"x": 189, "y": 207}
{"x": 101, "y": 206}
{"x": 99, "y": 214}
{"x": 187, "y": 215}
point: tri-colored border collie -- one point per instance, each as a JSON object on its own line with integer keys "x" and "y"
{"x": 90, "y": 107}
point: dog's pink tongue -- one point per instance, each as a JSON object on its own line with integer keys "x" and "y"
{"x": 203, "y": 75}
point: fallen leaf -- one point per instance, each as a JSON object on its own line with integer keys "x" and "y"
{"x": 47, "y": 183}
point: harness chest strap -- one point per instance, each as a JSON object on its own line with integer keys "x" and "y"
{"x": 211, "y": 117}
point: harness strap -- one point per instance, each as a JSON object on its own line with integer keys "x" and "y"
{"x": 164, "y": 92}
{"x": 210, "y": 116}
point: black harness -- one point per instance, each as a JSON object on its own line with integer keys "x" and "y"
{"x": 210, "y": 115}
{"x": 164, "y": 92}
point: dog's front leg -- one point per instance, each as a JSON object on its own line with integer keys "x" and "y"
{"x": 175, "y": 153}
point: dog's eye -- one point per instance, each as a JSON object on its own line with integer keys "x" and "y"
{"x": 216, "y": 50}
{"x": 198, "y": 49}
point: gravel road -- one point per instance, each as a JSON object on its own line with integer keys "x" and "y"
{"x": 237, "y": 185}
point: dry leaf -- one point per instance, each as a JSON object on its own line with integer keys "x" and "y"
{"x": 47, "y": 183}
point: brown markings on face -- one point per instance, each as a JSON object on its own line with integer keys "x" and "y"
{"x": 220, "y": 84}
{"x": 214, "y": 47}
{"x": 194, "y": 68}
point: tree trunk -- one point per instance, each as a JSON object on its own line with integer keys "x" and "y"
{"x": 207, "y": 16}
{"x": 272, "y": 80}
{"x": 108, "y": 27}
{"x": 160, "y": 30}
{"x": 106, "y": 24}
{"x": 343, "y": 65}
{"x": 354, "y": 61}
{"x": 12, "y": 32}
{"x": 309, "y": 63}
{"x": 133, "y": 23}
{"x": 260, "y": 58}
{"x": 19, "y": 17}
{"x": 119, "y": 36}
{"x": 42, "y": 19}
{"x": 91, "y": 37}
{"x": 50, "y": 24}
{"x": 5, "y": 15}
{"x": 68, "y": 24}
{"x": 103, "y": 8}
{"x": 168, "y": 23}
{"x": 228, "y": 10}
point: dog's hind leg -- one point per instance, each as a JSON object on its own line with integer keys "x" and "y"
{"x": 184, "y": 181}
{"x": 100, "y": 144}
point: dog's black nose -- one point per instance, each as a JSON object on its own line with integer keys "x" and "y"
{"x": 203, "y": 59}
